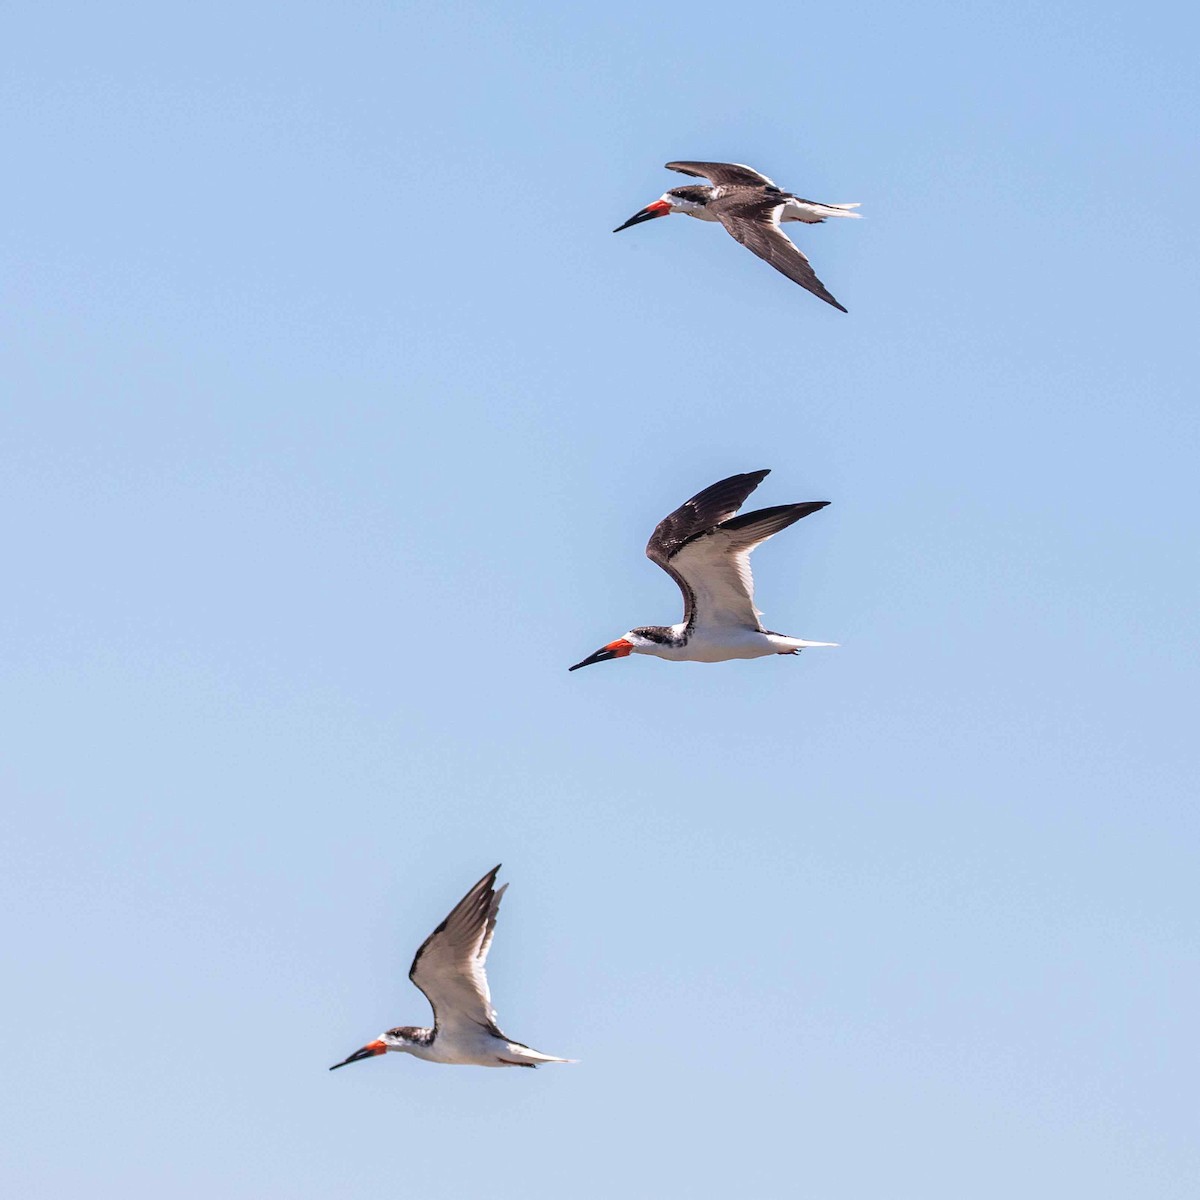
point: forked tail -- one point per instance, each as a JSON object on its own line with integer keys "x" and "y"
{"x": 522, "y": 1056}
{"x": 838, "y": 210}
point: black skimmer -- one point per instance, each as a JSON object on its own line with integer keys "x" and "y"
{"x": 706, "y": 550}
{"x": 751, "y": 208}
{"x": 449, "y": 969}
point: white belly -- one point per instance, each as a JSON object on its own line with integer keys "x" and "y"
{"x": 718, "y": 644}
{"x": 725, "y": 644}
{"x": 460, "y": 1048}
{"x": 721, "y": 643}
{"x": 466, "y": 1048}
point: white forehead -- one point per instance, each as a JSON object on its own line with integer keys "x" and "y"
{"x": 681, "y": 202}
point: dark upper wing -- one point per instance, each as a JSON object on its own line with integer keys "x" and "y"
{"x": 720, "y": 173}
{"x": 694, "y": 517}
{"x": 755, "y": 223}
{"x": 715, "y": 566}
{"x": 449, "y": 966}
{"x": 704, "y": 511}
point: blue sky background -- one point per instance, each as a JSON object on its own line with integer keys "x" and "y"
{"x": 335, "y": 421}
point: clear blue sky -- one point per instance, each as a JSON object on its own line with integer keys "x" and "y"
{"x": 334, "y": 423}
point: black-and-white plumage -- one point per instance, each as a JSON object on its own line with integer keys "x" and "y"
{"x": 706, "y": 549}
{"x": 723, "y": 174}
{"x": 751, "y": 208}
{"x": 450, "y": 969}
{"x": 450, "y": 966}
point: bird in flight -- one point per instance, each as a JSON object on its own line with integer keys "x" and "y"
{"x": 449, "y": 969}
{"x": 706, "y": 549}
{"x": 751, "y": 208}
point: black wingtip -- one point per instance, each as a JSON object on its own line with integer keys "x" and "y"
{"x": 773, "y": 519}
{"x": 757, "y": 476}
{"x": 488, "y": 882}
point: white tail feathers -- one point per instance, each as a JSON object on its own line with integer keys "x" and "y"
{"x": 814, "y": 212}
{"x": 527, "y": 1057}
{"x": 840, "y": 210}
